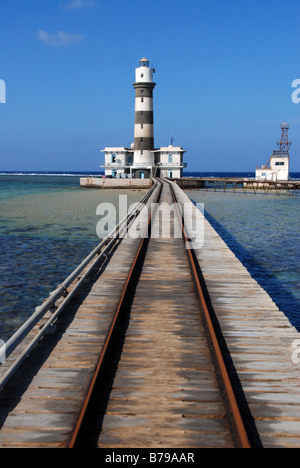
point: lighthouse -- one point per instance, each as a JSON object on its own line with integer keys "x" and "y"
{"x": 141, "y": 160}
{"x": 143, "y": 125}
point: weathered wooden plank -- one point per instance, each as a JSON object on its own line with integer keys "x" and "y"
{"x": 76, "y": 344}
{"x": 165, "y": 391}
{"x": 165, "y": 387}
{"x": 258, "y": 337}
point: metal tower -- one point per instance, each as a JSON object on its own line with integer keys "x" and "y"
{"x": 284, "y": 144}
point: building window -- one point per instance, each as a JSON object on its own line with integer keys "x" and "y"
{"x": 142, "y": 99}
{"x": 170, "y": 158}
{"x": 279, "y": 163}
{"x": 113, "y": 158}
{"x": 142, "y": 125}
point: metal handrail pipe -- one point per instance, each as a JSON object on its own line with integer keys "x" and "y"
{"x": 18, "y": 338}
{"x": 49, "y": 303}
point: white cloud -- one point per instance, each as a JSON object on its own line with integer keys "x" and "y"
{"x": 59, "y": 39}
{"x": 77, "y": 4}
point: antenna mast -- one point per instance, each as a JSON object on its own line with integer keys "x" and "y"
{"x": 284, "y": 144}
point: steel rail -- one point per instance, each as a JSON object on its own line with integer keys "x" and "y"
{"x": 89, "y": 263}
{"x": 238, "y": 421}
{"x": 112, "y": 327}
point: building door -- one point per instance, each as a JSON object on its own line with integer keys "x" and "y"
{"x": 142, "y": 175}
{"x": 170, "y": 175}
{"x": 114, "y": 174}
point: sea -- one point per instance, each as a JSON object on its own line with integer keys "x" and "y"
{"x": 48, "y": 225}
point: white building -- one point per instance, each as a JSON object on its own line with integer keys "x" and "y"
{"x": 276, "y": 169}
{"x": 168, "y": 162}
{"x": 118, "y": 162}
{"x": 142, "y": 160}
{"x": 278, "y": 166}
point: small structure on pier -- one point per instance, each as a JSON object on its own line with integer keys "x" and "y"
{"x": 277, "y": 168}
{"x": 142, "y": 160}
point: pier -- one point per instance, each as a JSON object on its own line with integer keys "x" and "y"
{"x": 154, "y": 341}
{"x": 224, "y": 184}
{"x": 236, "y": 184}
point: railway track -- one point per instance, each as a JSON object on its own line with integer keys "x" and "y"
{"x": 132, "y": 349}
{"x": 161, "y": 379}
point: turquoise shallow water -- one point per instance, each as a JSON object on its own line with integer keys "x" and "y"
{"x": 47, "y": 227}
{"x": 264, "y": 233}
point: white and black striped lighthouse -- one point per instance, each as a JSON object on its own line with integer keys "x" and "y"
{"x": 143, "y": 128}
{"x": 142, "y": 160}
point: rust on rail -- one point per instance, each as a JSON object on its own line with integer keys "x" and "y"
{"x": 107, "y": 340}
{"x": 212, "y": 334}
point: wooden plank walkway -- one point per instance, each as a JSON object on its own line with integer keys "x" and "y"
{"x": 258, "y": 338}
{"x": 40, "y": 405}
{"x": 165, "y": 391}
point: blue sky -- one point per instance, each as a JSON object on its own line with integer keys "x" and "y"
{"x": 224, "y": 71}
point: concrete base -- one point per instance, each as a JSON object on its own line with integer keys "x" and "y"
{"x": 102, "y": 183}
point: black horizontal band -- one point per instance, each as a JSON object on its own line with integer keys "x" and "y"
{"x": 144, "y": 117}
{"x": 144, "y": 143}
{"x": 144, "y": 89}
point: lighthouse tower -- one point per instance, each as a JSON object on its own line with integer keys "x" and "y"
{"x": 141, "y": 160}
{"x": 143, "y": 128}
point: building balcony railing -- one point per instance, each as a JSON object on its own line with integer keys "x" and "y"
{"x": 159, "y": 165}
{"x": 124, "y": 165}
{"x": 174, "y": 165}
